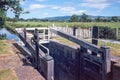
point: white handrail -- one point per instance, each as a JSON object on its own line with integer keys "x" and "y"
{"x": 45, "y": 48}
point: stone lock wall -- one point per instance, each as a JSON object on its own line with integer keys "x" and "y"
{"x": 115, "y": 70}
{"x": 66, "y": 61}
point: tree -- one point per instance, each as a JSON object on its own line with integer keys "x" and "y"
{"x": 114, "y": 18}
{"x": 74, "y": 18}
{"x": 98, "y": 19}
{"x": 13, "y": 5}
{"x": 84, "y": 17}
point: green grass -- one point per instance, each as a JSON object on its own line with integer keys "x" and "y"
{"x": 63, "y": 24}
{"x": 24, "y": 24}
{"x": 7, "y": 74}
{"x": 5, "y": 49}
{"x": 113, "y": 47}
{"x": 65, "y": 41}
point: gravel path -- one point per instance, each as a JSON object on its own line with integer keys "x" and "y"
{"x": 14, "y": 62}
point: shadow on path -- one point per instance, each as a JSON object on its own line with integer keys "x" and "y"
{"x": 23, "y": 54}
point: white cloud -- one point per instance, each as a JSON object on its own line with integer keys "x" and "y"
{"x": 98, "y": 4}
{"x": 37, "y": 6}
{"x": 40, "y": 0}
{"x": 71, "y": 10}
{"x": 95, "y": 1}
{"x": 67, "y": 9}
{"x": 55, "y": 7}
{"x": 45, "y": 14}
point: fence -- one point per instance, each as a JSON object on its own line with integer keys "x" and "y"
{"x": 79, "y": 32}
{"x": 118, "y": 33}
{"x": 83, "y": 33}
{"x": 108, "y": 33}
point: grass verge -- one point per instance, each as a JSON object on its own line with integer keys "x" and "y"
{"x": 114, "y": 48}
{"x": 7, "y": 74}
{"x": 5, "y": 49}
{"x": 65, "y": 41}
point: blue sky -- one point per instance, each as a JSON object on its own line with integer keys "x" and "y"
{"x": 51, "y": 8}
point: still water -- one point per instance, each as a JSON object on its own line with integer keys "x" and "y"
{"x": 9, "y": 35}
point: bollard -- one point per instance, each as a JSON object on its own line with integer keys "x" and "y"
{"x": 106, "y": 62}
{"x": 49, "y": 67}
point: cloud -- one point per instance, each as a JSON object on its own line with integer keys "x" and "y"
{"x": 46, "y": 14}
{"x": 55, "y": 7}
{"x": 95, "y": 1}
{"x": 67, "y": 9}
{"x": 37, "y": 6}
{"x": 97, "y": 4}
{"x": 41, "y": 0}
{"x": 71, "y": 10}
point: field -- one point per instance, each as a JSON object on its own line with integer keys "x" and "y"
{"x": 63, "y": 24}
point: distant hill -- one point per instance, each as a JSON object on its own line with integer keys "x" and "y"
{"x": 66, "y": 18}
{"x": 58, "y": 18}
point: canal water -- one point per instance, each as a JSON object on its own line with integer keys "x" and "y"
{"x": 9, "y": 35}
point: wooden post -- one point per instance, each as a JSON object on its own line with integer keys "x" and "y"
{"x": 25, "y": 35}
{"x": 74, "y": 31}
{"x": 116, "y": 30}
{"x": 95, "y": 35}
{"x": 36, "y": 37}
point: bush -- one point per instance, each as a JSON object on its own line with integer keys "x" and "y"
{"x": 107, "y": 33}
{"x": 2, "y": 36}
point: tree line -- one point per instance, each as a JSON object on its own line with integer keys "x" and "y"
{"x": 85, "y": 18}
{"x": 74, "y": 18}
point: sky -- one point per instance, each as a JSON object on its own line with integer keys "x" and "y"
{"x": 52, "y": 8}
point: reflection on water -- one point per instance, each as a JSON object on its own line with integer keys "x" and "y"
{"x": 8, "y": 34}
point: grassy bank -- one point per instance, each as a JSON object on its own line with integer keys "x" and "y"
{"x": 5, "y": 49}
{"x": 7, "y": 74}
{"x": 113, "y": 47}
